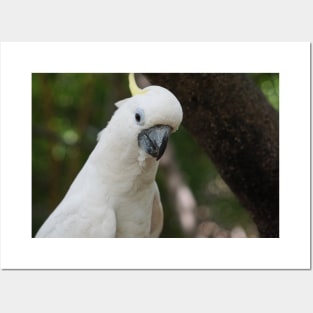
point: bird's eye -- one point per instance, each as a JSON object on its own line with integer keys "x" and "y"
{"x": 139, "y": 116}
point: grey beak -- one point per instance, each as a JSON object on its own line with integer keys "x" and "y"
{"x": 154, "y": 140}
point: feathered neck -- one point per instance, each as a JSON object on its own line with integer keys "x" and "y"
{"x": 123, "y": 162}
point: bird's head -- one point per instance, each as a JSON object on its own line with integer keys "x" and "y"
{"x": 148, "y": 117}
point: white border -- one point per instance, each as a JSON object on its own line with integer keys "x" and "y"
{"x": 20, "y": 251}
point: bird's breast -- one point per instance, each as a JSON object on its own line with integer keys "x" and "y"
{"x": 133, "y": 214}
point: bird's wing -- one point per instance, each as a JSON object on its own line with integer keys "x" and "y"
{"x": 85, "y": 211}
{"x": 61, "y": 225}
{"x": 157, "y": 214}
{"x": 67, "y": 222}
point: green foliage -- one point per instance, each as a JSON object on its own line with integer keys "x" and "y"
{"x": 269, "y": 84}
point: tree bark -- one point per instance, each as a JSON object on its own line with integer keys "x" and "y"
{"x": 239, "y": 130}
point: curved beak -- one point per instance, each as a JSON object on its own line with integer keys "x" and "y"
{"x": 154, "y": 140}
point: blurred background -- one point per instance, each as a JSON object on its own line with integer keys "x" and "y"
{"x": 68, "y": 111}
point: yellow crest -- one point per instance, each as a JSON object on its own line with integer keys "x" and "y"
{"x": 134, "y": 89}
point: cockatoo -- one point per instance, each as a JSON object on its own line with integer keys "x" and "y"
{"x": 115, "y": 193}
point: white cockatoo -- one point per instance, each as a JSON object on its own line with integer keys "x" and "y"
{"x": 115, "y": 193}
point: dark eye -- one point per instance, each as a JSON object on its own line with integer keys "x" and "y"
{"x": 139, "y": 116}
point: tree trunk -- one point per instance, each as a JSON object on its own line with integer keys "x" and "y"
{"x": 239, "y": 130}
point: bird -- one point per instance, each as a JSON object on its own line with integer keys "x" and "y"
{"x": 115, "y": 194}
